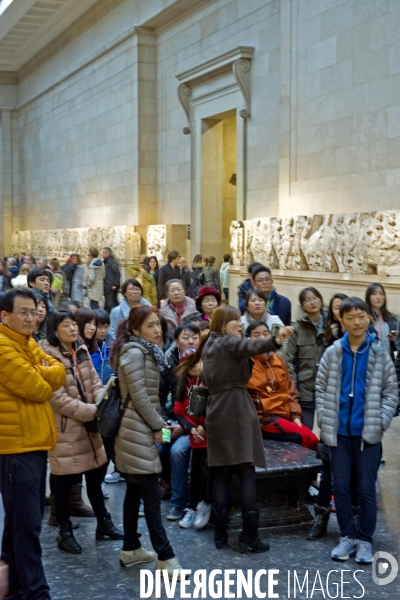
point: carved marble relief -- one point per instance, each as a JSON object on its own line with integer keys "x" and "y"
{"x": 124, "y": 241}
{"x": 157, "y": 241}
{"x": 344, "y": 243}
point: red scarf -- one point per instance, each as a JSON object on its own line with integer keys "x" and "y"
{"x": 178, "y": 312}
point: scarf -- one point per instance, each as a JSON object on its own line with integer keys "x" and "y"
{"x": 270, "y": 301}
{"x": 263, "y": 318}
{"x": 178, "y": 312}
{"x": 155, "y": 351}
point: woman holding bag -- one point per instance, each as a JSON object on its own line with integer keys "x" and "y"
{"x": 79, "y": 448}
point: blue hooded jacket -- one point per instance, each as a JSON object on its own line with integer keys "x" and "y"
{"x": 352, "y": 390}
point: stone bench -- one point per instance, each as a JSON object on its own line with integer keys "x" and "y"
{"x": 282, "y": 486}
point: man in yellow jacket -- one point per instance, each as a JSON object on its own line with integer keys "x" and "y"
{"x": 28, "y": 377}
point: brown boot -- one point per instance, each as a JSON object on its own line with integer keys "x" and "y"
{"x": 77, "y": 507}
{"x": 52, "y": 516}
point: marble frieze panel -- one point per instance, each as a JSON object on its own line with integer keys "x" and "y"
{"x": 124, "y": 241}
{"x": 344, "y": 243}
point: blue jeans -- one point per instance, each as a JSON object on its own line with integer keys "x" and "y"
{"x": 347, "y": 453}
{"x": 179, "y": 453}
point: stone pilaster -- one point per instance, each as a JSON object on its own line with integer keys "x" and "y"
{"x": 145, "y": 94}
{"x": 6, "y": 182}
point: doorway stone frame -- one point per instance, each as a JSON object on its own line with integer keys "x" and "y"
{"x": 213, "y": 88}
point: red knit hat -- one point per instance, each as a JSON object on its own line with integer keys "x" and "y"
{"x": 207, "y": 291}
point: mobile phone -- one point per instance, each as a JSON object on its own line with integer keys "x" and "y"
{"x": 166, "y": 435}
{"x": 276, "y": 329}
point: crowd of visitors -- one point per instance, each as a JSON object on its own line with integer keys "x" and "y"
{"x": 204, "y": 386}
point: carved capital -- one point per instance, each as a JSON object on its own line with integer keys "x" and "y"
{"x": 241, "y": 72}
{"x": 184, "y": 94}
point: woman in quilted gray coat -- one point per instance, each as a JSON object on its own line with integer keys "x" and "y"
{"x": 136, "y": 357}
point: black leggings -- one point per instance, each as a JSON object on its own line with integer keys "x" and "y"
{"x": 63, "y": 485}
{"x": 200, "y": 480}
{"x": 247, "y": 487}
{"x": 148, "y": 488}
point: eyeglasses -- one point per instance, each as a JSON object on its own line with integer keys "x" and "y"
{"x": 27, "y": 313}
{"x": 311, "y": 300}
{"x": 266, "y": 280}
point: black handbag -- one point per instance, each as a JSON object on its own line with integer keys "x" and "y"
{"x": 111, "y": 410}
{"x": 198, "y": 397}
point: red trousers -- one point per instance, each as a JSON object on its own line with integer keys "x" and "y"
{"x": 280, "y": 429}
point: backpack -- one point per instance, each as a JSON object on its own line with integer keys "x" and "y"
{"x": 111, "y": 409}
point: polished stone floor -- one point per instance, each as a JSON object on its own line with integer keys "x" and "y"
{"x": 97, "y": 574}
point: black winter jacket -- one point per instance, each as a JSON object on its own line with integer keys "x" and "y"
{"x": 113, "y": 275}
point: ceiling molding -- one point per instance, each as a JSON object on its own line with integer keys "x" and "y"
{"x": 8, "y": 78}
{"x": 76, "y": 30}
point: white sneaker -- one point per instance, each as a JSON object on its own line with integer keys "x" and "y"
{"x": 203, "y": 515}
{"x": 104, "y": 491}
{"x": 134, "y": 557}
{"x": 188, "y": 519}
{"x": 170, "y": 566}
{"x": 365, "y": 554}
{"x": 346, "y": 548}
{"x": 113, "y": 477}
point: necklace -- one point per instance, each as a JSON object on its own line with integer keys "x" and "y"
{"x": 271, "y": 378}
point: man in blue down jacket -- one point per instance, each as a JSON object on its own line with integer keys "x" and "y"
{"x": 356, "y": 399}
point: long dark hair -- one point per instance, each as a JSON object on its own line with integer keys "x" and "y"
{"x": 370, "y": 290}
{"x": 53, "y": 321}
{"x": 331, "y": 319}
{"x": 147, "y": 267}
{"x": 136, "y": 318}
{"x": 82, "y": 317}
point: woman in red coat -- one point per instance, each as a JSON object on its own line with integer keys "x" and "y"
{"x": 198, "y": 512}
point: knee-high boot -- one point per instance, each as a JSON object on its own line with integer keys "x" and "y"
{"x": 249, "y": 538}
{"x": 221, "y": 528}
{"x": 77, "y": 507}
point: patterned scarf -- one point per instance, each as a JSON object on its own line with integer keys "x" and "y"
{"x": 263, "y": 318}
{"x": 178, "y": 312}
{"x": 155, "y": 351}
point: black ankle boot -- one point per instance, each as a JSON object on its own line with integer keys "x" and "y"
{"x": 105, "y": 527}
{"x": 249, "y": 538}
{"x": 320, "y": 525}
{"x": 221, "y": 528}
{"x": 66, "y": 540}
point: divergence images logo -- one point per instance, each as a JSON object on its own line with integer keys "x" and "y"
{"x": 380, "y": 568}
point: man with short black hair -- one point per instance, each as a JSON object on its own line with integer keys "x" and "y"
{"x": 356, "y": 395}
{"x": 41, "y": 280}
{"x": 112, "y": 280}
{"x": 245, "y": 286}
{"x": 28, "y": 377}
{"x": 276, "y": 304}
{"x": 168, "y": 271}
